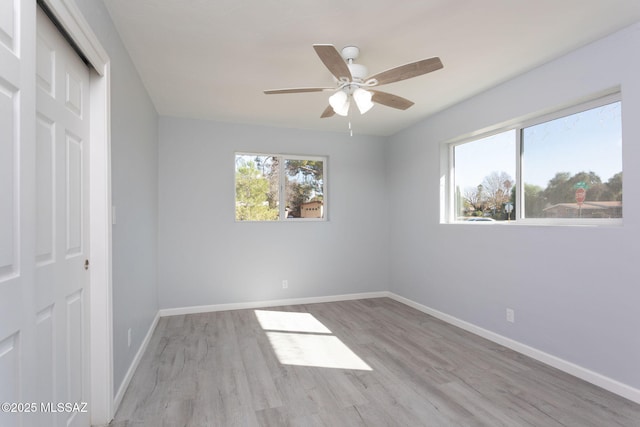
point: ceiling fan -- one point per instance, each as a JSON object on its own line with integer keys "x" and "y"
{"x": 352, "y": 81}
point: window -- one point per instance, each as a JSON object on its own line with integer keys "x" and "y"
{"x": 272, "y": 187}
{"x": 566, "y": 167}
{"x": 484, "y": 176}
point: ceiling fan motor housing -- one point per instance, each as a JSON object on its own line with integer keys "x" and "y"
{"x": 358, "y": 72}
{"x": 350, "y": 52}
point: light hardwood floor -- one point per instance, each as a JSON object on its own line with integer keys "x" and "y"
{"x": 224, "y": 369}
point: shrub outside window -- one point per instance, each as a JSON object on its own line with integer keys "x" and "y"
{"x": 561, "y": 168}
{"x": 274, "y": 187}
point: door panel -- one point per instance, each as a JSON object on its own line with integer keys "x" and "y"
{"x": 73, "y": 181}
{"x": 10, "y": 374}
{"x": 9, "y": 115}
{"x": 45, "y": 346}
{"x": 62, "y": 135}
{"x": 44, "y": 147}
{"x": 45, "y": 191}
{"x": 16, "y": 101}
{"x": 9, "y": 24}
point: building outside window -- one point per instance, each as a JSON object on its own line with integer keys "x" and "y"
{"x": 274, "y": 187}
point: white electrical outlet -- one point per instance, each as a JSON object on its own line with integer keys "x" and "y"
{"x": 285, "y": 284}
{"x": 511, "y": 315}
{"x": 129, "y": 338}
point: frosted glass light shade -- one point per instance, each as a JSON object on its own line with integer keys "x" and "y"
{"x": 363, "y": 100}
{"x": 339, "y": 101}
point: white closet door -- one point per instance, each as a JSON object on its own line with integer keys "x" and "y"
{"x": 44, "y": 147}
{"x": 61, "y": 285}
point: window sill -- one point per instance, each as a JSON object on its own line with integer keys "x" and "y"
{"x": 568, "y": 222}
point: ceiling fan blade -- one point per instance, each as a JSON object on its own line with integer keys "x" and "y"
{"x": 328, "y": 112}
{"x": 390, "y": 100}
{"x": 333, "y": 60}
{"x": 299, "y": 90}
{"x": 407, "y": 71}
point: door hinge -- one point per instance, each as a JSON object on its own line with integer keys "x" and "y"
{"x": 86, "y": 264}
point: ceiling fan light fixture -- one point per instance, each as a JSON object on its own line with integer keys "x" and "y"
{"x": 339, "y": 101}
{"x": 352, "y": 81}
{"x": 363, "y": 100}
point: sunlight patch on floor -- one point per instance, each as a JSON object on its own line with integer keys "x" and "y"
{"x": 290, "y": 321}
{"x": 323, "y": 351}
{"x": 302, "y": 340}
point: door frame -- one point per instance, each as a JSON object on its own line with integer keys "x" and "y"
{"x": 68, "y": 17}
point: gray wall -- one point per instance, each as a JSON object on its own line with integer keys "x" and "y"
{"x": 575, "y": 290}
{"x": 205, "y": 257}
{"x": 134, "y": 161}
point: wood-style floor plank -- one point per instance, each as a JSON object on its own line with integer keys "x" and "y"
{"x": 221, "y": 369}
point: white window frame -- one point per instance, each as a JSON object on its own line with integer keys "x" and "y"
{"x": 282, "y": 215}
{"x": 448, "y": 166}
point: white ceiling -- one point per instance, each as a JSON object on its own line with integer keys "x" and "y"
{"x": 212, "y": 59}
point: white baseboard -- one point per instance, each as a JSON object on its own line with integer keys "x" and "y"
{"x": 600, "y": 380}
{"x": 134, "y": 364}
{"x": 272, "y": 303}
